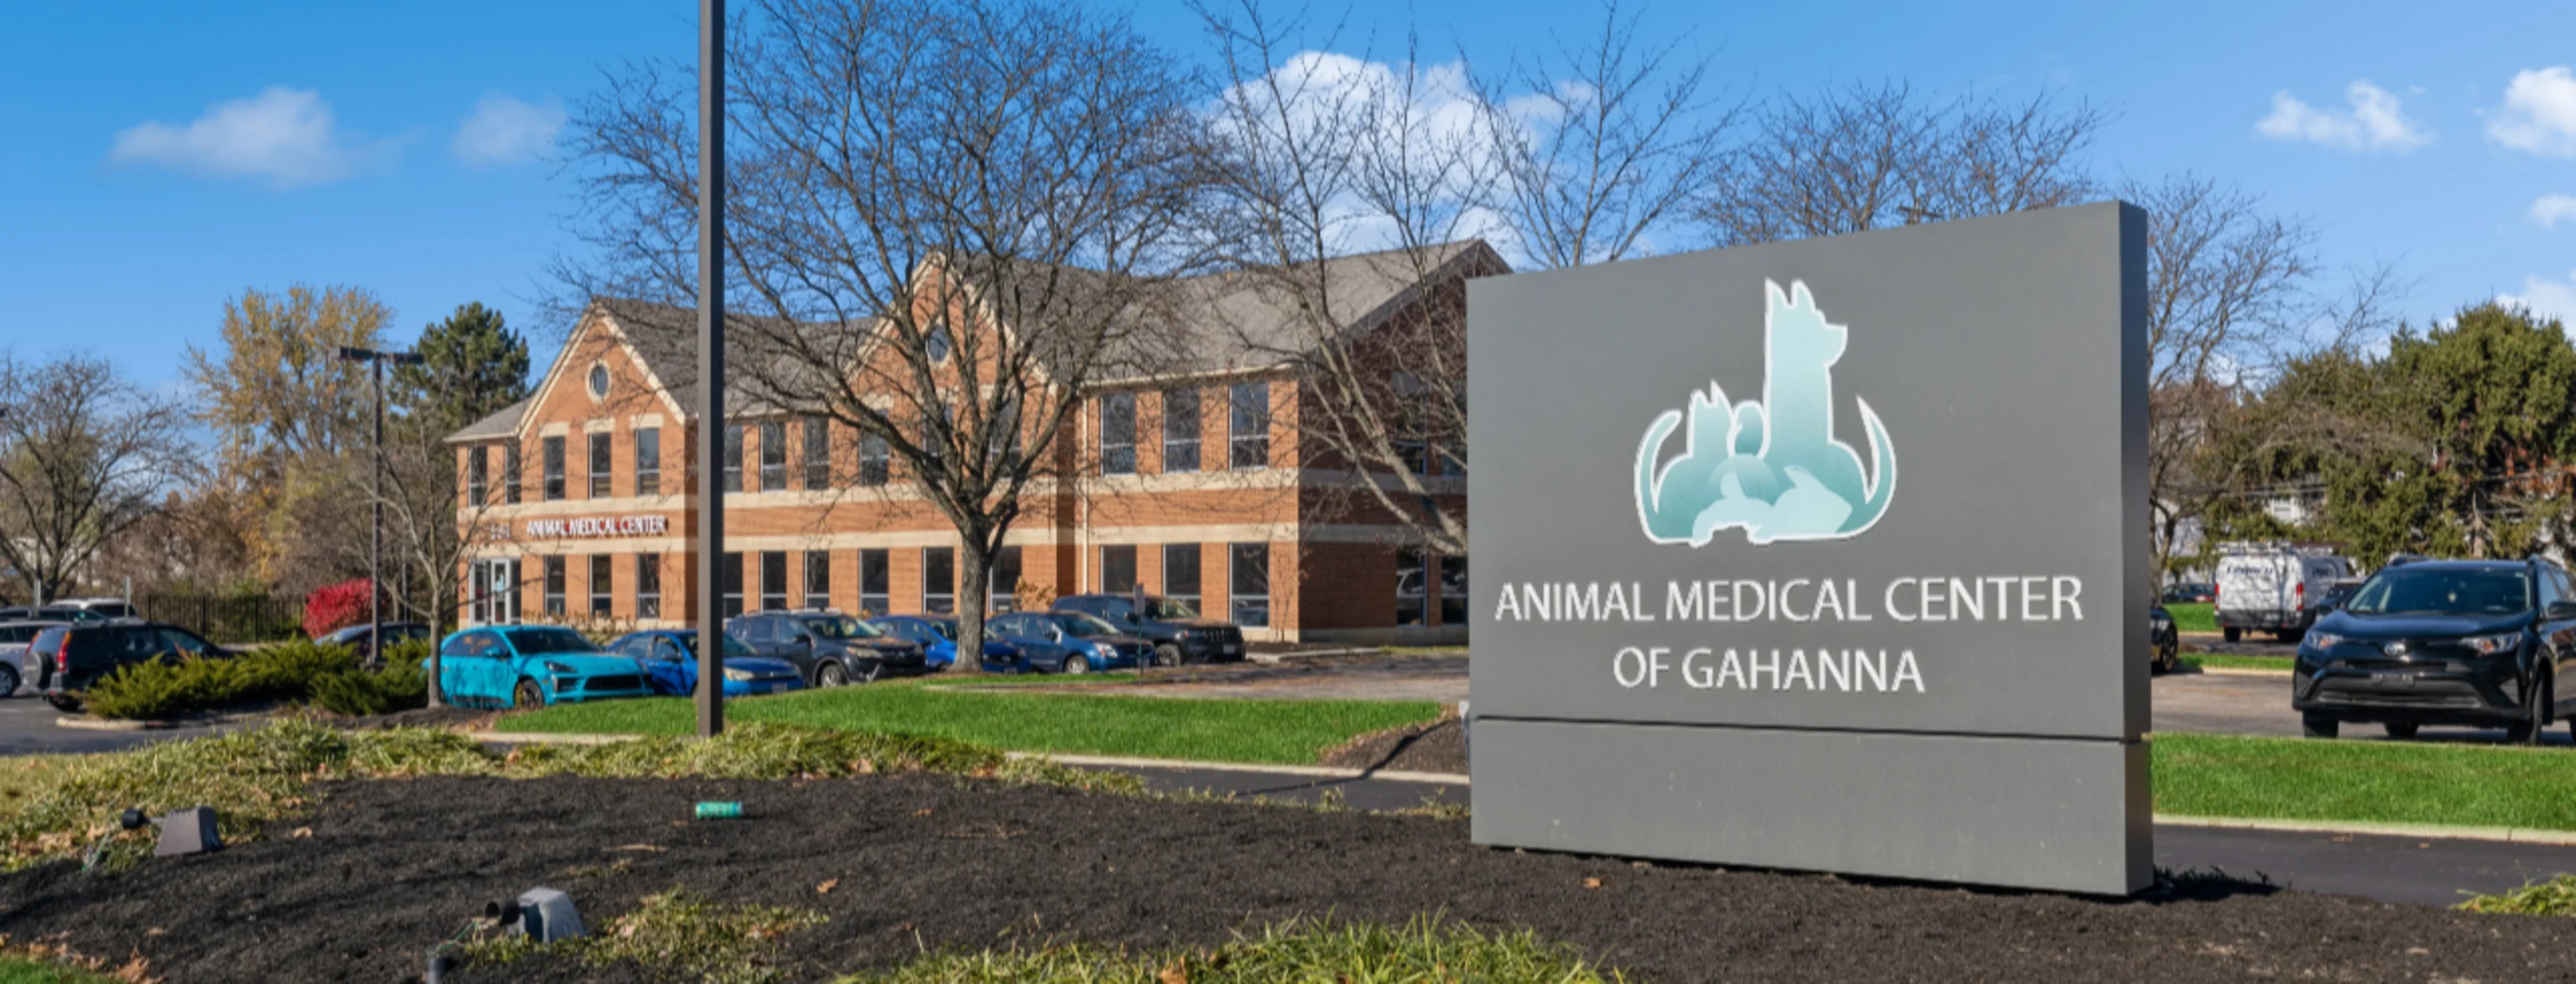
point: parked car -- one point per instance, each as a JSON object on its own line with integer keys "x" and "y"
{"x": 1178, "y": 634}
{"x": 2164, "y": 645}
{"x": 2442, "y": 642}
{"x": 107, "y": 608}
{"x": 15, "y": 667}
{"x": 68, "y": 658}
{"x": 2275, "y": 587}
{"x": 395, "y": 633}
{"x": 1067, "y": 642}
{"x": 937, "y": 636}
{"x": 830, "y": 649}
{"x": 526, "y": 666}
{"x": 68, "y": 614}
{"x": 670, "y": 661}
{"x": 2191, "y": 594}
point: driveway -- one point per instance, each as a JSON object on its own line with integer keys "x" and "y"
{"x": 27, "y": 728}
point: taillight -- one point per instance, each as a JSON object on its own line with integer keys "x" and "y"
{"x": 63, "y": 655}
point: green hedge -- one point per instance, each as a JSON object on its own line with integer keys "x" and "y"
{"x": 297, "y": 672}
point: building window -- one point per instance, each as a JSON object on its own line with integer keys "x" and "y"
{"x": 818, "y": 579}
{"x": 600, "y": 469}
{"x": 874, "y": 460}
{"x": 554, "y": 464}
{"x": 1248, "y": 426}
{"x": 1248, "y": 583}
{"x": 1181, "y": 573}
{"x": 1118, "y": 569}
{"x": 729, "y": 583}
{"x": 1118, "y": 434}
{"x": 554, "y": 586}
{"x": 600, "y": 598}
{"x": 510, "y": 472}
{"x": 939, "y": 580}
{"x": 937, "y": 344}
{"x": 773, "y": 456}
{"x": 648, "y": 461}
{"x": 648, "y": 586}
{"x": 818, "y": 454}
{"x": 875, "y": 594}
{"x": 1002, "y": 581}
{"x": 478, "y": 474}
{"x": 773, "y": 580}
{"x": 598, "y": 381}
{"x": 1453, "y": 590}
{"x": 733, "y": 458}
{"x": 1181, "y": 431}
{"x": 1410, "y": 591}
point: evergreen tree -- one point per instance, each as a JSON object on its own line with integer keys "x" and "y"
{"x": 471, "y": 365}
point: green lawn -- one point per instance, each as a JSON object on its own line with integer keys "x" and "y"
{"x": 2372, "y": 782}
{"x": 2233, "y": 662}
{"x": 16, "y": 969}
{"x": 1291, "y": 732}
{"x": 2193, "y": 616}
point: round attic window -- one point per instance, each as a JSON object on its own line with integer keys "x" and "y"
{"x": 935, "y": 345}
{"x": 598, "y": 381}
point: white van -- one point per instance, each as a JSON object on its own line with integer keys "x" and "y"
{"x": 2275, "y": 587}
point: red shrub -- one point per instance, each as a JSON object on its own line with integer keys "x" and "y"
{"x": 335, "y": 607}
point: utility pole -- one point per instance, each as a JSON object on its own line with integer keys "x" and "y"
{"x": 711, "y": 377}
{"x": 376, "y": 540}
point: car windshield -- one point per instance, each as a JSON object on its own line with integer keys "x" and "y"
{"x": 732, "y": 646}
{"x": 841, "y": 627}
{"x": 2421, "y": 591}
{"x": 539, "y": 642}
{"x": 1083, "y": 626}
{"x": 947, "y": 628}
{"x": 1165, "y": 609}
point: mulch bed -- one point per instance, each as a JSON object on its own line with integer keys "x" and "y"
{"x": 391, "y": 867}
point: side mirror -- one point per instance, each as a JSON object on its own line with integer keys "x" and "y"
{"x": 801, "y": 639}
{"x": 2560, "y": 611}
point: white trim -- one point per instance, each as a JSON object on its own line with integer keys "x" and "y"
{"x": 596, "y": 426}
{"x": 556, "y": 429}
{"x": 644, "y": 420}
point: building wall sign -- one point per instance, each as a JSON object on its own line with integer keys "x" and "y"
{"x": 1716, "y": 620}
{"x": 579, "y": 527}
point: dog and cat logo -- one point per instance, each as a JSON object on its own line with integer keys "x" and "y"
{"x": 1771, "y": 467}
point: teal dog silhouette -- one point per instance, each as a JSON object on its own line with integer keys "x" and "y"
{"x": 1771, "y": 468}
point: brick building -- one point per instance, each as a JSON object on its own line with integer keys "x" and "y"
{"x": 1191, "y": 482}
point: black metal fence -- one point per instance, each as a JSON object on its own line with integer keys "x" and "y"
{"x": 228, "y": 618}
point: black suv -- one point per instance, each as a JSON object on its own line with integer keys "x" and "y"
{"x": 2446, "y": 642}
{"x": 1179, "y": 635}
{"x": 67, "y": 658}
{"x": 829, "y": 648}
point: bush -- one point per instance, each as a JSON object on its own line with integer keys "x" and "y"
{"x": 325, "y": 675}
{"x": 333, "y": 607}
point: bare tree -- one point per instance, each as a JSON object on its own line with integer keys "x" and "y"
{"x": 84, "y": 456}
{"x": 945, "y": 219}
{"x": 1864, "y": 158}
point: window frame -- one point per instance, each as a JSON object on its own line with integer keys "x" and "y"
{"x": 876, "y": 460}
{"x": 1197, "y": 583}
{"x": 512, "y": 468}
{"x": 1181, "y": 413}
{"x": 648, "y": 585}
{"x": 1110, "y": 556}
{"x": 1236, "y": 597}
{"x": 818, "y": 593}
{"x": 1118, "y": 433}
{"x": 773, "y": 455}
{"x": 1247, "y": 441}
{"x": 551, "y": 460}
{"x": 648, "y": 461}
{"x": 932, "y": 602}
{"x": 732, "y": 459}
{"x": 553, "y": 599}
{"x": 603, "y": 585}
{"x": 603, "y": 464}
{"x": 882, "y": 599}
{"x": 818, "y": 453}
{"x": 478, "y": 476}
{"x": 729, "y": 584}
{"x": 773, "y": 586}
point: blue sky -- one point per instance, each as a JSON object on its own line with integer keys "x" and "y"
{"x": 163, "y": 156}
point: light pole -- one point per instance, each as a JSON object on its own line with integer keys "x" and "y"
{"x": 711, "y": 401}
{"x": 376, "y": 540}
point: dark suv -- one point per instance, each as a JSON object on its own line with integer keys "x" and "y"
{"x": 829, "y": 648}
{"x": 2445, "y": 642}
{"x": 1179, "y": 635}
{"x": 68, "y": 658}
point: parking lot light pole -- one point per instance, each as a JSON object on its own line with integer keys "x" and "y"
{"x": 711, "y": 380}
{"x": 376, "y": 540}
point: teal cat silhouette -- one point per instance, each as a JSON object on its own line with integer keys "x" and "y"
{"x": 1772, "y": 469}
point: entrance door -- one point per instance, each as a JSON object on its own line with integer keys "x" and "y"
{"x": 496, "y": 591}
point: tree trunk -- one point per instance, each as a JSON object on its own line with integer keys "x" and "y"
{"x": 974, "y": 558}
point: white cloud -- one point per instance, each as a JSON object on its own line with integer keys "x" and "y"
{"x": 2539, "y": 112}
{"x": 2549, "y": 209}
{"x": 504, "y": 130}
{"x": 285, "y": 135}
{"x": 2547, "y": 298}
{"x": 2375, "y": 123}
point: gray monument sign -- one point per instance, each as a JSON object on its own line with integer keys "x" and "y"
{"x": 1826, "y": 554}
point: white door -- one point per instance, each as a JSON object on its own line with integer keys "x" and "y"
{"x": 496, "y": 591}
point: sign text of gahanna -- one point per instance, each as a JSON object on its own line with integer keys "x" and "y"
{"x": 1773, "y": 469}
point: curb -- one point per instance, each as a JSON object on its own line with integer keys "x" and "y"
{"x": 2516, "y": 835}
{"x": 83, "y": 722}
{"x": 2242, "y": 671}
{"x": 547, "y": 738}
{"x": 1310, "y": 771}
{"x": 1302, "y": 655}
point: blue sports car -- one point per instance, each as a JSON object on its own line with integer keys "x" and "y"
{"x": 670, "y": 659}
{"x": 526, "y": 666}
{"x": 937, "y": 635}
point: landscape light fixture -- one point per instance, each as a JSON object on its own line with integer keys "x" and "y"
{"x": 188, "y": 831}
{"x": 376, "y": 541}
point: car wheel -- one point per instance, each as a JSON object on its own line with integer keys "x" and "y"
{"x": 67, "y": 705}
{"x": 1167, "y": 655}
{"x": 2536, "y": 717}
{"x": 8, "y": 680}
{"x": 2402, "y": 729}
{"x": 2318, "y": 726}
{"x": 527, "y": 695}
{"x": 1075, "y": 665}
{"x": 2233, "y": 634}
{"x": 831, "y": 675}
